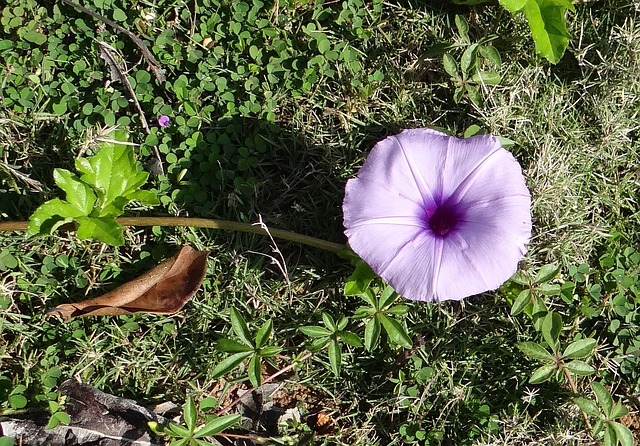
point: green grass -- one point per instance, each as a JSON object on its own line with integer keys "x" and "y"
{"x": 287, "y": 159}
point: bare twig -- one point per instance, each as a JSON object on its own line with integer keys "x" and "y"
{"x": 148, "y": 57}
{"x": 119, "y": 69}
{"x": 280, "y": 263}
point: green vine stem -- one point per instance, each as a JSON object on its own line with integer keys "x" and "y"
{"x": 210, "y": 224}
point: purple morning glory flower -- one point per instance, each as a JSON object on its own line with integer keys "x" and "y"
{"x": 439, "y": 217}
{"x": 164, "y": 121}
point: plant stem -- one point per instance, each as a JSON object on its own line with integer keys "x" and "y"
{"x": 574, "y": 389}
{"x": 207, "y": 223}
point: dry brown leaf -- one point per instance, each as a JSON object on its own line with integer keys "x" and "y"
{"x": 163, "y": 290}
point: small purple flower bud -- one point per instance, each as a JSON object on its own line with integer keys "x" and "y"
{"x": 164, "y": 121}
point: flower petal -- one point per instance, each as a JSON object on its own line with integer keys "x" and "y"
{"x": 408, "y": 163}
{"x": 388, "y": 213}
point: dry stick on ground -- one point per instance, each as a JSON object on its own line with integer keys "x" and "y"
{"x": 148, "y": 57}
{"x": 107, "y": 52}
{"x": 209, "y": 224}
{"x": 266, "y": 380}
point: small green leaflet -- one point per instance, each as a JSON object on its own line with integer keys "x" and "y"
{"x": 108, "y": 181}
{"x": 547, "y": 23}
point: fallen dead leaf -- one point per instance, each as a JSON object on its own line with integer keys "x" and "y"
{"x": 163, "y": 290}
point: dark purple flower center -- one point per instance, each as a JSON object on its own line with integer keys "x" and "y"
{"x": 443, "y": 220}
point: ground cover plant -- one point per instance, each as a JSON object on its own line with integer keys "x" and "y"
{"x": 259, "y": 111}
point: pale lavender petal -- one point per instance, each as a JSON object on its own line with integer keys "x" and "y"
{"x": 439, "y": 217}
{"x": 395, "y": 163}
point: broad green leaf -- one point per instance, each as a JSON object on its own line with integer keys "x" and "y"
{"x": 618, "y": 411}
{"x": 34, "y": 37}
{"x": 78, "y": 194}
{"x": 351, "y": 338}
{"x": 190, "y": 414}
{"x": 231, "y": 346}
{"x": 364, "y": 312}
{"x": 535, "y": 351}
{"x": 395, "y": 331}
{"x": 109, "y": 180}
{"x": 486, "y": 77}
{"x": 104, "y": 229}
{"x": 538, "y": 312}
{"x": 491, "y": 54}
{"x": 113, "y": 172}
{"x": 318, "y": 344}
{"x": 7, "y": 441}
{"x": 209, "y": 403}
{"x": 513, "y": 5}
{"x": 546, "y": 273}
{"x": 157, "y": 428}
{"x": 397, "y": 310}
{"x": 580, "y": 348}
{"x": 358, "y": 282}
{"x": 17, "y": 401}
{"x": 63, "y": 417}
{"x": 547, "y": 23}
{"x": 610, "y": 437}
{"x": 268, "y": 351}
{"x": 342, "y": 323}
{"x": 450, "y": 65}
{"x": 623, "y": 434}
{"x": 369, "y": 297}
{"x": 177, "y": 430}
{"x": 315, "y": 331}
{"x": 523, "y": 299}
{"x": 329, "y": 322}
{"x": 578, "y": 367}
{"x": 457, "y": 94}
{"x": 550, "y": 289}
{"x": 463, "y": 27}
{"x": 604, "y": 398}
{"x": 263, "y": 334}
{"x": 372, "y": 334}
{"x": 474, "y": 95}
{"x": 387, "y": 297}
{"x": 119, "y": 15}
{"x": 542, "y": 374}
{"x": 217, "y": 425}
{"x": 229, "y": 364}
{"x": 470, "y": 2}
{"x": 551, "y": 328}
{"x": 588, "y": 406}
{"x": 180, "y": 442}
{"x": 50, "y": 215}
{"x": 145, "y": 197}
{"x": 255, "y": 371}
{"x": 597, "y": 428}
{"x": 521, "y": 278}
{"x": 468, "y": 60}
{"x": 239, "y": 327}
{"x": 53, "y": 406}
{"x": 335, "y": 357}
